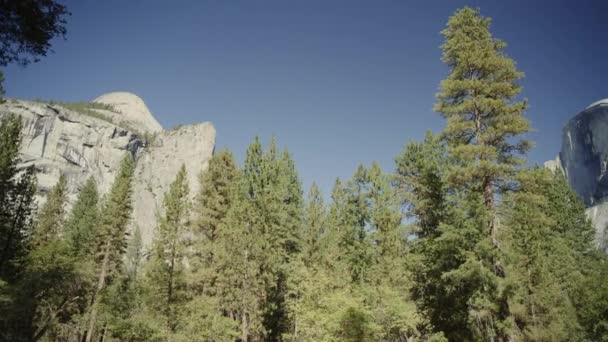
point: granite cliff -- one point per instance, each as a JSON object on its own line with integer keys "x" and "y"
{"x": 85, "y": 140}
{"x": 583, "y": 159}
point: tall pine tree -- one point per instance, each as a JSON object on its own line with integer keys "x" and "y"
{"x": 166, "y": 272}
{"x": 111, "y": 238}
{"x": 83, "y": 219}
{"x": 16, "y": 200}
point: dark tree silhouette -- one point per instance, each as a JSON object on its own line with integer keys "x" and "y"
{"x": 27, "y": 28}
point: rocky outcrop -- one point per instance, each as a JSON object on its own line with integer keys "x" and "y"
{"x": 158, "y": 165}
{"x": 90, "y": 142}
{"x": 61, "y": 141}
{"x": 584, "y": 160}
{"x": 130, "y": 110}
{"x": 584, "y": 153}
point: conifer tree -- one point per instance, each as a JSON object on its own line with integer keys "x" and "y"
{"x": 314, "y": 226}
{"x": 10, "y": 141}
{"x": 83, "y": 219}
{"x": 540, "y": 301}
{"x": 350, "y": 213}
{"x": 217, "y": 188}
{"x": 482, "y": 133}
{"x": 258, "y": 238}
{"x": 338, "y": 221}
{"x": 16, "y": 199}
{"x": 421, "y": 185}
{"x": 17, "y": 205}
{"x": 126, "y": 314}
{"x": 166, "y": 273}
{"x": 16, "y": 223}
{"x": 111, "y": 239}
{"x": 555, "y": 264}
{"x": 214, "y": 198}
{"x": 483, "y": 122}
{"x": 237, "y": 265}
{"x": 51, "y": 285}
{"x": 52, "y": 215}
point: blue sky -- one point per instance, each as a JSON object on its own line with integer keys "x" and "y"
{"x": 337, "y": 82}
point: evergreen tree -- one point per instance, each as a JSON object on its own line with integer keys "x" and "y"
{"x": 421, "y": 185}
{"x": 352, "y": 215}
{"x": 52, "y": 215}
{"x": 483, "y": 125}
{"x": 16, "y": 200}
{"x": 217, "y": 187}
{"x": 165, "y": 275}
{"x": 50, "y": 286}
{"x": 127, "y": 315}
{"x": 10, "y": 141}
{"x": 237, "y": 265}
{"x": 539, "y": 303}
{"x": 553, "y": 261}
{"x": 258, "y": 238}
{"x": 111, "y": 239}
{"x": 314, "y": 226}
{"x": 83, "y": 219}
{"x": 17, "y": 224}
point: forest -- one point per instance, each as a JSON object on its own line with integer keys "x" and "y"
{"x": 462, "y": 241}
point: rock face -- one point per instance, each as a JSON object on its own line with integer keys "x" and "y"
{"x": 158, "y": 165}
{"x": 130, "y": 109}
{"x": 584, "y": 153}
{"x": 81, "y": 144}
{"x": 584, "y": 160}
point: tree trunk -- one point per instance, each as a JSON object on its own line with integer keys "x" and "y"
{"x": 244, "y": 327}
{"x": 170, "y": 290}
{"x": 40, "y": 333}
{"x": 100, "y": 285}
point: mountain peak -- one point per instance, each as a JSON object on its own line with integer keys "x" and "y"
{"x": 133, "y": 109}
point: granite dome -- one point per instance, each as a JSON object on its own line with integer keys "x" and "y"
{"x": 131, "y": 109}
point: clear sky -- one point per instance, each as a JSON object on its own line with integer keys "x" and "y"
{"x": 337, "y": 82}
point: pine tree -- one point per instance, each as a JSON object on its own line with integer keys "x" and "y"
{"x": 258, "y": 238}
{"x": 482, "y": 133}
{"x": 51, "y": 285}
{"x": 314, "y": 226}
{"x": 166, "y": 272}
{"x": 83, "y": 219}
{"x": 350, "y": 213}
{"x": 237, "y": 265}
{"x": 218, "y": 185}
{"x": 17, "y": 205}
{"x": 16, "y": 199}
{"x": 553, "y": 265}
{"x": 420, "y": 184}
{"x": 111, "y": 239}
{"x": 52, "y": 215}
{"x": 476, "y": 99}
{"x": 127, "y": 315}
{"x": 17, "y": 224}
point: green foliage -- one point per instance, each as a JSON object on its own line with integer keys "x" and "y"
{"x": 16, "y": 200}
{"x": 218, "y": 186}
{"x": 82, "y": 221}
{"x": 29, "y": 28}
{"x": 52, "y": 215}
{"x": 462, "y": 243}
{"x": 483, "y": 123}
{"x": 539, "y": 299}
{"x": 111, "y": 238}
{"x": 165, "y": 274}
